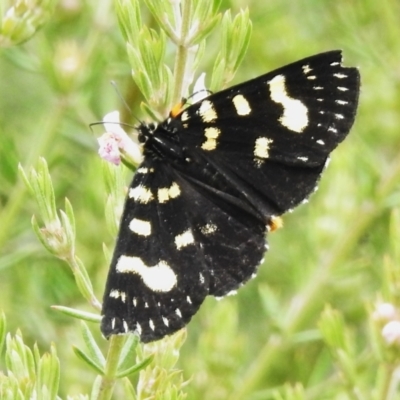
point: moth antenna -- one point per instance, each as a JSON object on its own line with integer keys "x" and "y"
{"x": 115, "y": 86}
{"x": 111, "y": 122}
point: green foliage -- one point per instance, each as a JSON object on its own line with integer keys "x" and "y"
{"x": 29, "y": 375}
{"x": 21, "y": 20}
{"x": 319, "y": 321}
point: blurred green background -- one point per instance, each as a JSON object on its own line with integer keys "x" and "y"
{"x": 334, "y": 250}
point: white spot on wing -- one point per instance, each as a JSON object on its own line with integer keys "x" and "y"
{"x": 208, "y": 229}
{"x": 165, "y": 320}
{"x": 261, "y": 148}
{"x": 188, "y": 299}
{"x": 178, "y": 313}
{"x": 242, "y": 106}
{"x": 184, "y": 239}
{"x": 343, "y": 89}
{"x": 207, "y": 111}
{"x": 306, "y": 69}
{"x": 113, "y": 323}
{"x": 328, "y": 161}
{"x": 125, "y": 325}
{"x": 151, "y": 324}
{"x": 141, "y": 194}
{"x": 184, "y": 116}
{"x": 140, "y": 227}
{"x": 116, "y": 294}
{"x": 321, "y": 142}
{"x": 311, "y": 77}
{"x": 144, "y": 170}
{"x": 201, "y": 278}
{"x": 138, "y": 328}
{"x": 211, "y": 134}
{"x": 295, "y": 113}
{"x": 340, "y": 76}
{"x": 158, "y": 278}
{"x": 341, "y": 102}
{"x": 165, "y": 194}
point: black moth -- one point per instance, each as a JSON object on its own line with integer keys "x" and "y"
{"x": 214, "y": 179}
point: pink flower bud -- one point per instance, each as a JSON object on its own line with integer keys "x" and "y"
{"x": 116, "y": 143}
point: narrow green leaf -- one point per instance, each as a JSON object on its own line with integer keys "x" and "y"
{"x": 19, "y": 361}
{"x": 168, "y": 80}
{"x": 82, "y": 286}
{"x": 202, "y": 11}
{"x": 84, "y": 357}
{"x": 129, "y": 18}
{"x": 163, "y": 13}
{"x": 25, "y": 178}
{"x": 36, "y": 354}
{"x": 70, "y": 215}
{"x": 332, "y": 328}
{"x": 97, "y": 384}
{"x": 82, "y": 315}
{"x": 44, "y": 192}
{"x": 68, "y": 235}
{"x": 128, "y": 352}
{"x": 113, "y": 214}
{"x": 150, "y": 112}
{"x": 130, "y": 393}
{"x": 201, "y": 34}
{"x": 94, "y": 350}
{"x": 42, "y": 238}
{"x": 218, "y": 74}
{"x": 83, "y": 281}
{"x": 135, "y": 368}
{"x": 48, "y": 375}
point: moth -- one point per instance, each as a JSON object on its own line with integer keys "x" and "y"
{"x": 214, "y": 180}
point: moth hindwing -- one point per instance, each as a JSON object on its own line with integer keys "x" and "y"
{"x": 214, "y": 179}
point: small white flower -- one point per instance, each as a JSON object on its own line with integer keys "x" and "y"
{"x": 385, "y": 312}
{"x": 108, "y": 148}
{"x": 115, "y": 142}
{"x": 199, "y": 89}
{"x": 391, "y": 333}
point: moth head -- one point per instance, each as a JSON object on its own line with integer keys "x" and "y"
{"x": 145, "y": 131}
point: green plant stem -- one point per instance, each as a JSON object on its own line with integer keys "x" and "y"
{"x": 73, "y": 263}
{"x": 110, "y": 371}
{"x": 43, "y": 140}
{"x": 389, "y": 390}
{"x": 385, "y": 381}
{"x": 307, "y": 299}
{"x": 182, "y": 53}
